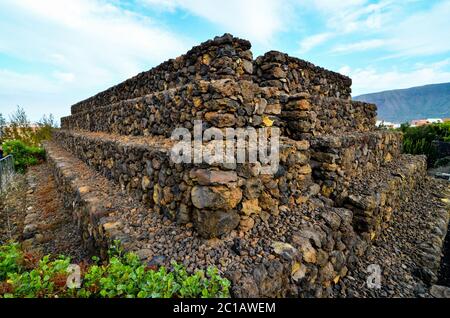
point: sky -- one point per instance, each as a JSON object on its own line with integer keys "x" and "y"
{"x": 54, "y": 53}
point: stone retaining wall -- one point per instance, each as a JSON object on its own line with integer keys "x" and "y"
{"x": 89, "y": 205}
{"x": 431, "y": 251}
{"x": 318, "y": 247}
{"x": 292, "y": 75}
{"x": 295, "y": 232}
{"x": 337, "y": 159}
{"x": 303, "y": 116}
{"x": 223, "y": 57}
{"x": 218, "y": 103}
{"x": 216, "y": 198}
{"x": 223, "y": 104}
{"x": 373, "y": 202}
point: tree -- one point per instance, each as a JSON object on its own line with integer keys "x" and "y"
{"x": 404, "y": 127}
{"x": 47, "y": 121}
{"x": 19, "y": 118}
{"x": 46, "y": 125}
{"x": 20, "y": 128}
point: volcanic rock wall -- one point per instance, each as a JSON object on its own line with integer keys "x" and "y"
{"x": 219, "y": 83}
{"x": 292, "y": 75}
{"x": 218, "y": 103}
{"x": 339, "y": 178}
{"x": 223, "y": 57}
{"x": 214, "y": 198}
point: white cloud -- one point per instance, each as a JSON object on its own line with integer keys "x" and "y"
{"x": 342, "y": 18}
{"x": 423, "y": 33}
{"x": 369, "y": 79}
{"x": 82, "y": 46}
{"x": 33, "y": 92}
{"x": 311, "y": 42}
{"x": 359, "y": 46}
{"x": 257, "y": 20}
{"x": 384, "y": 24}
{"x": 94, "y": 32}
{"x": 13, "y": 82}
{"x": 64, "y": 76}
{"x": 345, "y": 16}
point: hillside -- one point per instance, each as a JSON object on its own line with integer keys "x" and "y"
{"x": 402, "y": 105}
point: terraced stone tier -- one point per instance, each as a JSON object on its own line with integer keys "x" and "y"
{"x": 218, "y": 103}
{"x": 338, "y": 159}
{"x": 292, "y": 75}
{"x": 93, "y": 204}
{"x": 300, "y": 252}
{"x": 216, "y": 198}
{"x": 409, "y": 251}
{"x": 430, "y": 248}
{"x": 223, "y": 104}
{"x": 303, "y": 115}
{"x": 222, "y": 57}
{"x": 226, "y": 57}
{"x": 376, "y": 196}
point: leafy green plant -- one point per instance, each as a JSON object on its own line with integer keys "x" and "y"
{"x": 21, "y": 128}
{"x": 24, "y": 156}
{"x": 41, "y": 281}
{"x": 442, "y": 162}
{"x": 10, "y": 258}
{"x": 418, "y": 140}
{"x": 123, "y": 275}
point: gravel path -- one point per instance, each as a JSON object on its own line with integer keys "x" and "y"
{"x": 38, "y": 218}
{"x": 13, "y": 210}
{"x": 398, "y": 250}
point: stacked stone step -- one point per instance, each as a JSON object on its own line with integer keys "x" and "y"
{"x": 218, "y": 103}
{"x": 215, "y": 198}
{"x": 223, "y": 57}
{"x": 345, "y": 145}
{"x": 89, "y": 200}
{"x": 367, "y": 173}
{"x": 313, "y": 101}
{"x": 302, "y": 252}
{"x": 124, "y": 133}
{"x": 218, "y": 83}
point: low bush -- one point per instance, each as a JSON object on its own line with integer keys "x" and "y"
{"x": 123, "y": 275}
{"x": 10, "y": 258}
{"x": 442, "y": 162}
{"x": 24, "y": 156}
{"x": 418, "y": 140}
{"x": 20, "y": 128}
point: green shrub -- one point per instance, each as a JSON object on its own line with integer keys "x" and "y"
{"x": 10, "y": 258}
{"x": 41, "y": 281}
{"x": 20, "y": 128}
{"x": 418, "y": 140}
{"x": 442, "y": 162}
{"x": 24, "y": 156}
{"x": 122, "y": 276}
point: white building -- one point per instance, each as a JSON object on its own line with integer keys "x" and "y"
{"x": 435, "y": 120}
{"x": 387, "y": 124}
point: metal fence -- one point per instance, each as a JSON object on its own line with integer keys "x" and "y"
{"x": 6, "y": 172}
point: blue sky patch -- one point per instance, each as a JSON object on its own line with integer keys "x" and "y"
{"x": 54, "y": 53}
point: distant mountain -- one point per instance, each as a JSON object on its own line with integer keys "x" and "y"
{"x": 404, "y": 105}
